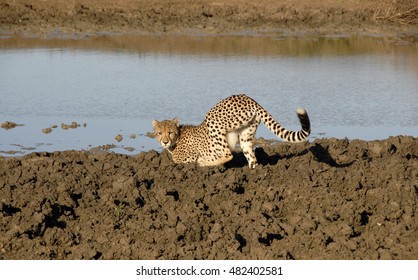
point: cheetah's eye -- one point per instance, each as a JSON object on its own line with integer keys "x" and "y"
{"x": 159, "y": 133}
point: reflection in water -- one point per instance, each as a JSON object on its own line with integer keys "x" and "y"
{"x": 355, "y": 87}
{"x": 220, "y": 45}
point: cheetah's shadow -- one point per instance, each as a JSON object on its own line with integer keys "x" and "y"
{"x": 263, "y": 158}
{"x": 320, "y": 154}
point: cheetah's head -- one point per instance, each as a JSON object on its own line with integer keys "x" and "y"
{"x": 166, "y": 132}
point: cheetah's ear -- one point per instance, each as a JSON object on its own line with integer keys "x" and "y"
{"x": 154, "y": 123}
{"x": 176, "y": 122}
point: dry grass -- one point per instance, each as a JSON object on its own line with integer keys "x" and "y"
{"x": 398, "y": 11}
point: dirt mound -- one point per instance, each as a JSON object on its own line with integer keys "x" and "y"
{"x": 329, "y": 199}
{"x": 177, "y": 16}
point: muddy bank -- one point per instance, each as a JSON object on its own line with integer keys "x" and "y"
{"x": 208, "y": 17}
{"x": 328, "y": 199}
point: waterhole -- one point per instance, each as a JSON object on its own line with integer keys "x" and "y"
{"x": 354, "y": 87}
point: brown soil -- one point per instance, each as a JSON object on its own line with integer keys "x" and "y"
{"x": 186, "y": 16}
{"x": 329, "y": 199}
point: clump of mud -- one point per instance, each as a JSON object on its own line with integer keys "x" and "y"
{"x": 119, "y": 137}
{"x": 47, "y": 130}
{"x": 329, "y": 199}
{"x": 9, "y": 125}
{"x": 72, "y": 125}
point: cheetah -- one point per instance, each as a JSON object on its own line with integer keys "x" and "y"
{"x": 233, "y": 120}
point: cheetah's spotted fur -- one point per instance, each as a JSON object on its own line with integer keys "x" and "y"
{"x": 233, "y": 120}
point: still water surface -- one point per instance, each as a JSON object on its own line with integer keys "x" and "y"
{"x": 354, "y": 87}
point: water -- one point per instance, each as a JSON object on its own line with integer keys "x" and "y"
{"x": 354, "y": 87}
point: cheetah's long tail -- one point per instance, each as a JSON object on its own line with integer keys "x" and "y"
{"x": 288, "y": 135}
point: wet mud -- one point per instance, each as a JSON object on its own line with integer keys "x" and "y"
{"x": 327, "y": 199}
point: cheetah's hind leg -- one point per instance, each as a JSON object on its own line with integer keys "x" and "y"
{"x": 214, "y": 161}
{"x": 219, "y": 152}
{"x": 246, "y": 140}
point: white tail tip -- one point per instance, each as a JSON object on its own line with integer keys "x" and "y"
{"x": 301, "y": 111}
